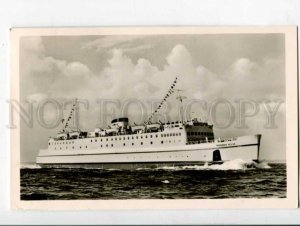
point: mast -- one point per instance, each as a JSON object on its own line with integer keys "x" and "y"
{"x": 180, "y": 105}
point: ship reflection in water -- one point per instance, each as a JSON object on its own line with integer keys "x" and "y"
{"x": 233, "y": 179}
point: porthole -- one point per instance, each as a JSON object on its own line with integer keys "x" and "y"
{"x": 141, "y": 143}
{"x": 95, "y": 140}
{"x": 91, "y": 140}
{"x": 106, "y": 145}
{"x": 162, "y": 142}
{"x": 124, "y": 144}
{"x": 112, "y": 145}
{"x": 151, "y": 142}
{"x": 156, "y": 135}
{"x": 137, "y": 137}
{"x": 80, "y": 147}
{"x": 132, "y": 144}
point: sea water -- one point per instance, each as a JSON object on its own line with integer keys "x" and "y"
{"x": 232, "y": 179}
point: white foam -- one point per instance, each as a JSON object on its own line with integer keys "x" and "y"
{"x": 30, "y": 166}
{"x": 165, "y": 181}
{"x": 236, "y": 164}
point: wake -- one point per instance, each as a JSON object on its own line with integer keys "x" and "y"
{"x": 236, "y": 164}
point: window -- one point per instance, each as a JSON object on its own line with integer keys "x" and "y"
{"x": 137, "y": 137}
{"x": 120, "y": 138}
{"x": 112, "y": 139}
{"x": 116, "y": 138}
{"x": 95, "y": 140}
{"x": 161, "y": 135}
{"x": 123, "y": 138}
{"x": 85, "y": 146}
{"x": 124, "y": 144}
{"x": 151, "y": 142}
{"x": 101, "y": 145}
{"x": 112, "y": 145}
{"x": 132, "y": 137}
{"x": 132, "y": 144}
{"x": 150, "y": 136}
{"x": 141, "y": 143}
{"x": 106, "y": 139}
{"x": 162, "y": 142}
{"x": 141, "y": 137}
{"x": 106, "y": 145}
{"x": 156, "y": 135}
{"x": 91, "y": 140}
{"x": 73, "y": 147}
{"x": 146, "y": 136}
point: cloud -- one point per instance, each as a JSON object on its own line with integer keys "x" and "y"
{"x": 108, "y": 42}
{"x": 138, "y": 49}
{"x": 37, "y": 97}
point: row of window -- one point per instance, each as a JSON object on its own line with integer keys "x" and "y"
{"x": 199, "y": 134}
{"x": 111, "y": 145}
{"x": 120, "y": 138}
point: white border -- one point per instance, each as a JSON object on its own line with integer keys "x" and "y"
{"x": 291, "y": 127}
{"x": 16, "y": 13}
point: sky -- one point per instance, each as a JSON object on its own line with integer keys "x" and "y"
{"x": 210, "y": 68}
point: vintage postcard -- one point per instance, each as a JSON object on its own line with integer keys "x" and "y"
{"x": 154, "y": 118}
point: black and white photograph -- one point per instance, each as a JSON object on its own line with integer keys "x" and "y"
{"x": 154, "y": 114}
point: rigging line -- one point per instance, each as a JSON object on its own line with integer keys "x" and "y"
{"x": 169, "y": 93}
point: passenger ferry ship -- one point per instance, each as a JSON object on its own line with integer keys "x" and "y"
{"x": 122, "y": 145}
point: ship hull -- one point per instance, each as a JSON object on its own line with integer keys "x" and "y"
{"x": 246, "y": 148}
